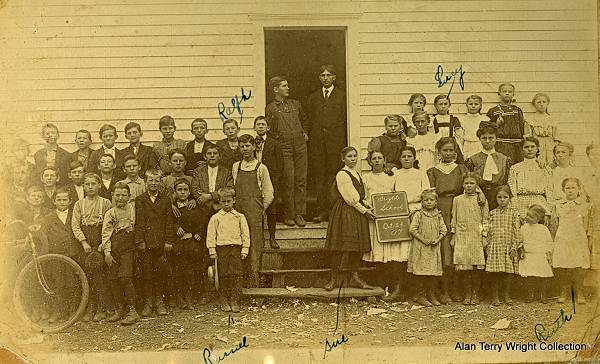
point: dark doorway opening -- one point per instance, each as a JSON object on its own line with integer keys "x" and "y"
{"x": 297, "y": 54}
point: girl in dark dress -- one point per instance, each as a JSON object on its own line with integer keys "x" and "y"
{"x": 348, "y": 231}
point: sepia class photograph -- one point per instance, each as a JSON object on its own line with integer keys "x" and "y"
{"x": 299, "y": 181}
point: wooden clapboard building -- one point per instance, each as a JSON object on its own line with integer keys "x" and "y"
{"x": 83, "y": 63}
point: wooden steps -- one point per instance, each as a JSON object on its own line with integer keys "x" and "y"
{"x": 310, "y": 270}
{"x": 302, "y": 259}
{"x": 345, "y": 292}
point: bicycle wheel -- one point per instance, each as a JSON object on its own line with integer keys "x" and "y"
{"x": 59, "y": 289}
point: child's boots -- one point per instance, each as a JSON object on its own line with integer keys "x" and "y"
{"x": 147, "y": 310}
{"x": 100, "y": 314}
{"x": 117, "y": 313}
{"x": 223, "y": 304}
{"x": 468, "y": 293}
{"x": 495, "y": 294}
{"x": 506, "y": 289}
{"x": 131, "y": 317}
{"x": 445, "y": 297}
{"x": 161, "y": 310}
{"x": 394, "y": 295}
{"x": 421, "y": 299}
{"x": 564, "y": 294}
{"x": 90, "y": 311}
{"x": 431, "y": 293}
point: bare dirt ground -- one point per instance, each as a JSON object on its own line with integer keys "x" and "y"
{"x": 293, "y": 323}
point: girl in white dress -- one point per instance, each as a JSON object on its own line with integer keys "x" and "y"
{"x": 543, "y": 127}
{"x": 378, "y": 181}
{"x": 470, "y": 123}
{"x": 536, "y": 257}
{"x": 561, "y": 168}
{"x": 571, "y": 255}
{"x": 424, "y": 141}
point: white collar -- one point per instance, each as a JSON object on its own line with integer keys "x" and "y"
{"x": 488, "y": 152}
{"x": 330, "y": 88}
{"x": 105, "y": 148}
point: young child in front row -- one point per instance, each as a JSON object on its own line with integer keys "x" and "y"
{"x": 571, "y": 255}
{"x": 188, "y": 252}
{"x": 118, "y": 245}
{"x": 425, "y": 261}
{"x": 228, "y": 241}
{"x": 88, "y": 215}
{"x": 504, "y": 238}
{"x": 154, "y": 236}
{"x": 536, "y": 259}
{"x": 469, "y": 229}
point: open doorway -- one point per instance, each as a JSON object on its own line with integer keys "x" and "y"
{"x": 297, "y": 54}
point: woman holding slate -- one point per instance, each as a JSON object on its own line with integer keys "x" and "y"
{"x": 348, "y": 231}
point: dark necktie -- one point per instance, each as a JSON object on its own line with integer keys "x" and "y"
{"x": 326, "y": 94}
{"x": 259, "y": 143}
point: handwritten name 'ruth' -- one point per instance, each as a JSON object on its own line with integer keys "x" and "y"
{"x": 236, "y": 106}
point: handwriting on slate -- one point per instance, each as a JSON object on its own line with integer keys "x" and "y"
{"x": 342, "y": 339}
{"x": 236, "y": 106}
{"x": 443, "y": 79}
{"x": 544, "y": 334}
{"x": 208, "y": 358}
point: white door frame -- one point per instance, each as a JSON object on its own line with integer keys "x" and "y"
{"x": 349, "y": 21}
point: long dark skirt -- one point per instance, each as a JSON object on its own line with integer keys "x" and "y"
{"x": 348, "y": 229}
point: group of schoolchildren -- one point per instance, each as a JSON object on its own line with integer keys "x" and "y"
{"x": 144, "y": 222}
{"x": 491, "y": 197}
{"x": 490, "y": 193}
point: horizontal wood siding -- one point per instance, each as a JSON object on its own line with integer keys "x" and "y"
{"x": 540, "y": 46}
{"x": 80, "y": 64}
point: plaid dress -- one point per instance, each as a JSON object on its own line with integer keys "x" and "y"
{"x": 530, "y": 184}
{"x": 504, "y": 235}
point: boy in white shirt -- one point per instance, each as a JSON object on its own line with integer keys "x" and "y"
{"x": 228, "y": 239}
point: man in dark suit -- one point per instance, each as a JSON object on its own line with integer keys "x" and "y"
{"x": 268, "y": 152}
{"x": 143, "y": 153}
{"x": 196, "y": 149}
{"x": 326, "y": 109}
{"x": 206, "y": 181}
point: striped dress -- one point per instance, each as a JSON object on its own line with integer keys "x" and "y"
{"x": 504, "y": 235}
{"x": 468, "y": 224}
{"x": 530, "y": 184}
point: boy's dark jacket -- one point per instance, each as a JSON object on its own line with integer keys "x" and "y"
{"x": 154, "y": 221}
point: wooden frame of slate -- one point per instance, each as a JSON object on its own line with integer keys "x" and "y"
{"x": 392, "y": 222}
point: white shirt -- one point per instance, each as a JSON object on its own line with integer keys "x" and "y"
{"x": 153, "y": 197}
{"x": 259, "y": 151}
{"x": 79, "y": 190}
{"x": 329, "y": 91}
{"x": 106, "y": 182}
{"x": 111, "y": 151}
{"x": 212, "y": 178}
{"x": 62, "y": 215}
{"x": 198, "y": 147}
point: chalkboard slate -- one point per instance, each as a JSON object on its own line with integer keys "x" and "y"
{"x": 390, "y": 204}
{"x": 393, "y": 229}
